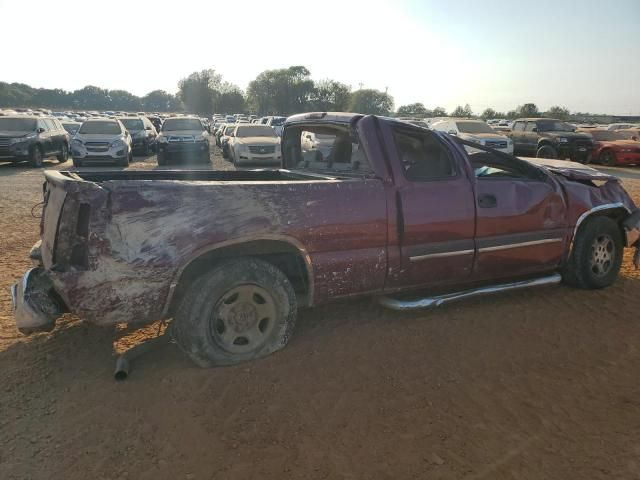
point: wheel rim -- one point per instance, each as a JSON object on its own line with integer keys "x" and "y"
{"x": 602, "y": 254}
{"x": 243, "y": 319}
{"x": 607, "y": 158}
{"x": 546, "y": 153}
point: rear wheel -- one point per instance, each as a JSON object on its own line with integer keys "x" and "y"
{"x": 596, "y": 256}
{"x": 241, "y": 310}
{"x": 63, "y": 156}
{"x": 35, "y": 157}
{"x": 607, "y": 157}
{"x": 546, "y": 151}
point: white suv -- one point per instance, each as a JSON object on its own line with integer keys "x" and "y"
{"x": 475, "y": 131}
{"x": 101, "y": 140}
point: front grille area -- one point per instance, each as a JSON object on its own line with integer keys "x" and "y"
{"x": 182, "y": 138}
{"x": 496, "y": 143}
{"x": 262, "y": 149}
{"x": 97, "y": 146}
{"x": 4, "y": 142}
{"x": 582, "y": 143}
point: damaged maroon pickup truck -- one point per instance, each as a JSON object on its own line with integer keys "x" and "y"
{"x": 378, "y": 208}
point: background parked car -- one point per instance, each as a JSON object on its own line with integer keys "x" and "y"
{"x": 143, "y": 134}
{"x": 156, "y": 121}
{"x": 610, "y": 147}
{"x": 277, "y": 123}
{"x": 102, "y": 139}
{"x": 254, "y": 145}
{"x": 621, "y": 126}
{"x": 70, "y": 126}
{"x": 475, "y": 131}
{"x": 33, "y": 139}
{"x": 224, "y": 139}
{"x": 550, "y": 138}
{"x": 183, "y": 138}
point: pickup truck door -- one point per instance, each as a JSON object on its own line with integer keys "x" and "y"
{"x": 435, "y": 208}
{"x": 521, "y": 220}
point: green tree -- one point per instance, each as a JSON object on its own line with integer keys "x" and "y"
{"x": 558, "y": 112}
{"x": 229, "y": 99}
{"x": 439, "y": 112}
{"x": 123, "y": 100}
{"x": 463, "y": 112}
{"x": 197, "y": 91}
{"x": 161, "y": 101}
{"x": 528, "y": 110}
{"x": 330, "y": 96}
{"x": 414, "y": 110}
{"x": 489, "y": 113}
{"x": 283, "y": 91}
{"x": 370, "y": 101}
{"x": 91, "y": 98}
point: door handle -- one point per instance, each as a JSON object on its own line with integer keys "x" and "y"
{"x": 487, "y": 200}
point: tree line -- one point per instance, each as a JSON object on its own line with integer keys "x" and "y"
{"x": 281, "y": 91}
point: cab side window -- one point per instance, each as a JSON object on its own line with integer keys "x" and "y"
{"x": 423, "y": 157}
{"x": 50, "y": 125}
{"x": 43, "y": 125}
{"x": 530, "y": 127}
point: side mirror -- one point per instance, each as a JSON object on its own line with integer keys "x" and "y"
{"x": 452, "y": 132}
{"x": 40, "y": 130}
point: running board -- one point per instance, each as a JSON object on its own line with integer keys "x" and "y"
{"x": 428, "y": 302}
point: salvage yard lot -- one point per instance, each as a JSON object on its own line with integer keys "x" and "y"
{"x": 534, "y": 384}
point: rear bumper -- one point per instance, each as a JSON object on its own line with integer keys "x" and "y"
{"x": 259, "y": 160}
{"x": 35, "y": 307}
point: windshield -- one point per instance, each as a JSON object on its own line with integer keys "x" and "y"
{"x": 229, "y": 129}
{"x": 71, "y": 127}
{"x": 174, "y": 124}
{"x": 101, "y": 128}
{"x": 606, "y": 135}
{"x": 474, "y": 127}
{"x": 255, "y": 131}
{"x": 132, "y": 124}
{"x": 278, "y": 121}
{"x": 17, "y": 124}
{"x": 554, "y": 126}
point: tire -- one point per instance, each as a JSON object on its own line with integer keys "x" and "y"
{"x": 147, "y": 149}
{"x": 63, "y": 156}
{"x": 546, "y": 151}
{"x": 607, "y": 157}
{"x": 125, "y": 161}
{"x": 162, "y": 160}
{"x": 35, "y": 157}
{"x": 241, "y": 310}
{"x": 597, "y": 255}
{"x": 77, "y": 163}
{"x": 225, "y": 153}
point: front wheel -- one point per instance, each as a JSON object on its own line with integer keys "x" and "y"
{"x": 63, "y": 156}
{"x": 547, "y": 151}
{"x": 596, "y": 256}
{"x": 607, "y": 158}
{"x": 241, "y": 310}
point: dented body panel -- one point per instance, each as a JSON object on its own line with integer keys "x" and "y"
{"x": 115, "y": 245}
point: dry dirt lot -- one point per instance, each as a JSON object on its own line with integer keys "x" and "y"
{"x": 541, "y": 384}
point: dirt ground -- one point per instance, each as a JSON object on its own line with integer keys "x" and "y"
{"x": 541, "y": 384}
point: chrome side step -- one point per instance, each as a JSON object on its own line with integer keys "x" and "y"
{"x": 428, "y": 302}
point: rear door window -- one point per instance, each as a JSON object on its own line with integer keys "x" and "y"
{"x": 518, "y": 127}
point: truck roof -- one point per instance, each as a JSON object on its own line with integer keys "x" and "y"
{"x": 536, "y": 119}
{"x": 343, "y": 117}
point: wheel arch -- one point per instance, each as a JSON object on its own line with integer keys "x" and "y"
{"x": 285, "y": 253}
{"x": 616, "y": 211}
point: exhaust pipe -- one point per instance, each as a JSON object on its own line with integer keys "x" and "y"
{"x": 429, "y": 302}
{"x": 123, "y": 363}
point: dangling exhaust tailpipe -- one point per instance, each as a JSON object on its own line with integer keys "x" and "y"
{"x": 429, "y": 302}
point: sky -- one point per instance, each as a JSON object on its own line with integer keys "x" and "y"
{"x": 584, "y": 55}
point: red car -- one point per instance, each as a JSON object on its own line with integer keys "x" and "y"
{"x": 614, "y": 148}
